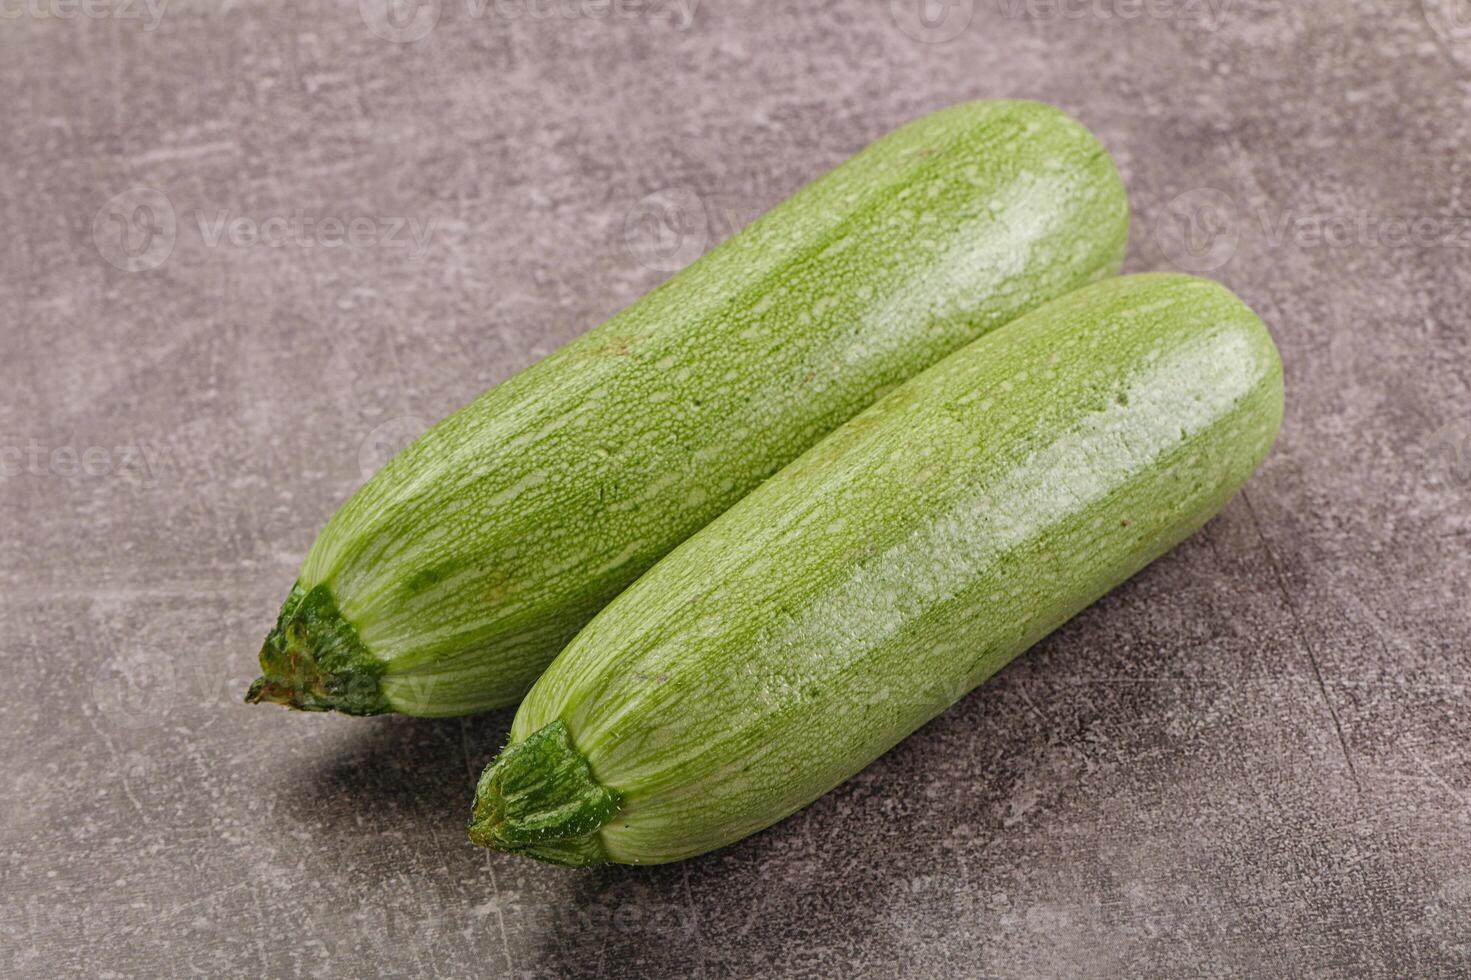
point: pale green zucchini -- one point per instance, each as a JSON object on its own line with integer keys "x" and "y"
{"x": 454, "y": 575}
{"x": 886, "y": 572}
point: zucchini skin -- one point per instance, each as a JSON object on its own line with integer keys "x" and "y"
{"x": 887, "y": 572}
{"x": 452, "y": 577}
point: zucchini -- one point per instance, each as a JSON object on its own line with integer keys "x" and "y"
{"x": 886, "y": 572}
{"x": 452, "y": 577}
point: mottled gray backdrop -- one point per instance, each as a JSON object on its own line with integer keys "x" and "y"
{"x": 249, "y": 248}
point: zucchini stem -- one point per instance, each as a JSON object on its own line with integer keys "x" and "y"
{"x": 539, "y": 798}
{"x": 314, "y": 661}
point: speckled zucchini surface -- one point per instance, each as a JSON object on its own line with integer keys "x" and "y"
{"x": 450, "y": 579}
{"x": 886, "y": 572}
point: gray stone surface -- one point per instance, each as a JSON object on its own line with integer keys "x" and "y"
{"x": 1255, "y": 758}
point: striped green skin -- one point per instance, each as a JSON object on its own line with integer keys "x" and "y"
{"x": 886, "y": 573}
{"x": 450, "y": 580}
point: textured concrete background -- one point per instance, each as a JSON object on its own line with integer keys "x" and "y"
{"x": 1254, "y": 758}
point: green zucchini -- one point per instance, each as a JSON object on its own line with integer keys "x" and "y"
{"x": 886, "y": 572}
{"x": 454, "y": 575}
